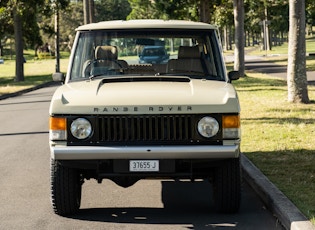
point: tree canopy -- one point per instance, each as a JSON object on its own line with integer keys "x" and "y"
{"x": 37, "y": 22}
{"x": 30, "y": 23}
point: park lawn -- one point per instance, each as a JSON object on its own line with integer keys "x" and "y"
{"x": 35, "y": 72}
{"x": 283, "y": 49}
{"x": 278, "y": 137}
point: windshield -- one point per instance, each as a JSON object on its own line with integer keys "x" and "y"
{"x": 103, "y": 53}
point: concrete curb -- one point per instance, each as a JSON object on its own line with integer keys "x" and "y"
{"x": 288, "y": 214}
{"x": 47, "y": 84}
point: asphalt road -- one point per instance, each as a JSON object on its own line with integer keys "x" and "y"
{"x": 273, "y": 69}
{"x": 153, "y": 204}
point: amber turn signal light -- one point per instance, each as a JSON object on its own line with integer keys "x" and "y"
{"x": 231, "y": 121}
{"x": 57, "y": 123}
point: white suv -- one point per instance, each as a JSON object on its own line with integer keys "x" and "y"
{"x": 117, "y": 119}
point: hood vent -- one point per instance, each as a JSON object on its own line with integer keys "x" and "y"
{"x": 145, "y": 79}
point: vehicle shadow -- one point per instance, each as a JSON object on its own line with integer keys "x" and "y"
{"x": 185, "y": 204}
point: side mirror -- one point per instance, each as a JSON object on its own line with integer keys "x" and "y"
{"x": 58, "y": 77}
{"x": 233, "y": 75}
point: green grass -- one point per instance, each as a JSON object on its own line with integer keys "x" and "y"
{"x": 310, "y": 45}
{"x": 278, "y": 137}
{"x": 283, "y": 49}
{"x": 35, "y": 72}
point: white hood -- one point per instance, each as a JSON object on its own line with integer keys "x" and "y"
{"x": 145, "y": 97}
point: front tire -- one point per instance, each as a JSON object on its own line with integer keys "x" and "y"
{"x": 227, "y": 186}
{"x": 66, "y": 189}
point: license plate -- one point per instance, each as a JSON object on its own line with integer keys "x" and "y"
{"x": 144, "y": 166}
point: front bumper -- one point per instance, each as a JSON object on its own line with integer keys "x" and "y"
{"x": 144, "y": 152}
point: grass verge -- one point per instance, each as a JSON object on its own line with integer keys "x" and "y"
{"x": 35, "y": 72}
{"x": 277, "y": 137}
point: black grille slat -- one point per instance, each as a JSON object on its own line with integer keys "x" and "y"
{"x": 113, "y": 130}
{"x": 157, "y": 129}
{"x": 187, "y": 124}
{"x": 162, "y": 128}
{"x": 180, "y": 128}
{"x": 168, "y": 128}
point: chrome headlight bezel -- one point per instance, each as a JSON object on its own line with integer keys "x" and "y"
{"x": 81, "y": 128}
{"x": 208, "y": 127}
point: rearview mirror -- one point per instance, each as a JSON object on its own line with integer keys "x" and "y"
{"x": 145, "y": 42}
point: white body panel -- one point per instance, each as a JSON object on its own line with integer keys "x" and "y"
{"x": 196, "y": 96}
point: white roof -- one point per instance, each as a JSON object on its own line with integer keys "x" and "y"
{"x": 147, "y": 24}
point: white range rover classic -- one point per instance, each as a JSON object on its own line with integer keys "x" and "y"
{"x": 125, "y": 115}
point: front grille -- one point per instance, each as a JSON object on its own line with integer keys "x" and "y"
{"x": 146, "y": 128}
{"x": 168, "y": 129}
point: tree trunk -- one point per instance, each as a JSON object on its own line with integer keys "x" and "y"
{"x": 296, "y": 75}
{"x": 86, "y": 11}
{"x": 204, "y": 11}
{"x": 91, "y": 9}
{"x": 18, "y": 35}
{"x": 249, "y": 35}
{"x": 230, "y": 38}
{"x": 267, "y": 35}
{"x": 1, "y": 49}
{"x": 226, "y": 41}
{"x": 57, "y": 53}
{"x": 239, "y": 54}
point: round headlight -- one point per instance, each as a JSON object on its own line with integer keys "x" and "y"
{"x": 81, "y": 128}
{"x": 208, "y": 127}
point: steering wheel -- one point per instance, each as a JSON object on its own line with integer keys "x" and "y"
{"x": 101, "y": 66}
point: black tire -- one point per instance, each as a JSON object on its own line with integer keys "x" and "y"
{"x": 227, "y": 186}
{"x": 66, "y": 188}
